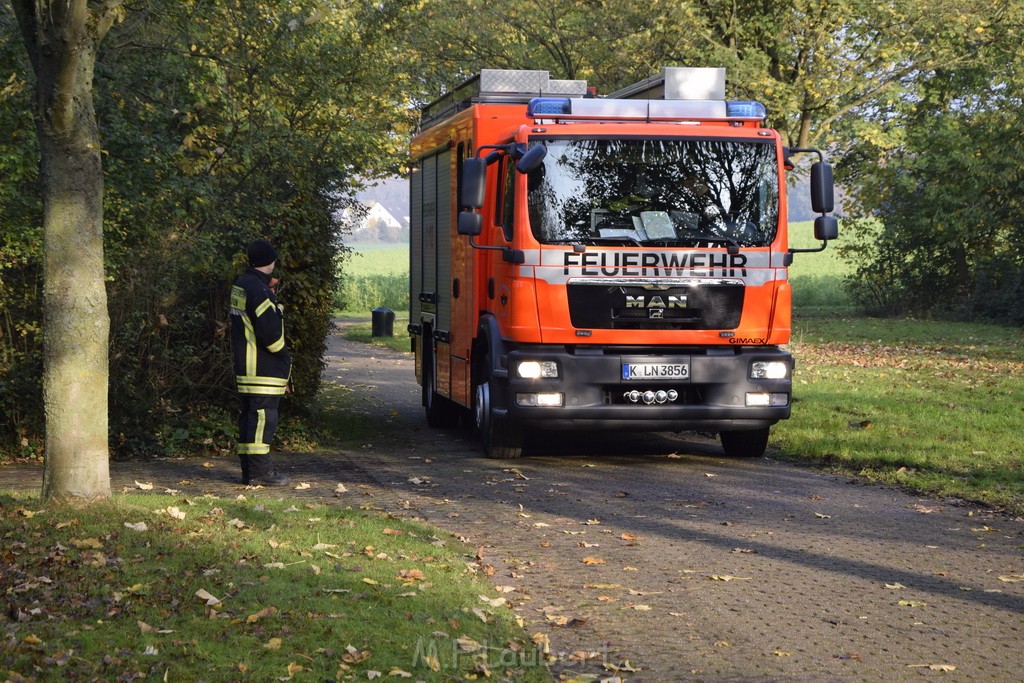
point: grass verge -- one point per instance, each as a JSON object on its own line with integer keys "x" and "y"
{"x": 363, "y": 332}
{"x": 929, "y": 406}
{"x": 157, "y": 586}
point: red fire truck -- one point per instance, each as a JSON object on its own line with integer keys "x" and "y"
{"x": 620, "y": 262}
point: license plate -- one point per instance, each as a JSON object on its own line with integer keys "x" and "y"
{"x": 641, "y": 371}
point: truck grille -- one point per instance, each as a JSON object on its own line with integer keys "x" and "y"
{"x": 704, "y": 306}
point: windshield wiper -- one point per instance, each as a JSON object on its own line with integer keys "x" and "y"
{"x": 612, "y": 240}
{"x": 733, "y": 247}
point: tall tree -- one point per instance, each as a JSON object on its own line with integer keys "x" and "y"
{"x": 61, "y": 39}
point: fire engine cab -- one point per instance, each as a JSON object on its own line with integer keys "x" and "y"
{"x": 620, "y": 262}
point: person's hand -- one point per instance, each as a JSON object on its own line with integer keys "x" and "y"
{"x": 288, "y": 389}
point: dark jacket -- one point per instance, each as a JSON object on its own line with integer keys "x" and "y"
{"x": 262, "y": 361}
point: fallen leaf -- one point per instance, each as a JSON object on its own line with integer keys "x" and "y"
{"x": 629, "y": 537}
{"x": 399, "y": 673}
{"x": 603, "y": 586}
{"x": 265, "y": 612}
{"x": 779, "y": 653}
{"x": 145, "y": 628}
{"x": 642, "y": 608}
{"x": 592, "y": 560}
{"x": 137, "y": 526}
{"x": 583, "y": 655}
{"x": 86, "y": 543}
{"x": 354, "y": 655}
{"x": 894, "y": 586}
{"x": 411, "y": 575}
{"x": 493, "y": 602}
{"x": 302, "y": 486}
{"x": 392, "y": 532}
{"x": 821, "y": 516}
{"x": 207, "y": 598}
{"x": 373, "y": 674}
{"x": 370, "y": 581}
{"x": 933, "y": 667}
{"x": 175, "y": 512}
{"x": 912, "y": 603}
{"x": 144, "y": 487}
{"x": 273, "y": 644}
{"x": 341, "y": 489}
{"x": 727, "y": 577}
{"x": 467, "y": 644}
{"x": 1012, "y": 578}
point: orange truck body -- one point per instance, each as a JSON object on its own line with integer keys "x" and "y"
{"x": 632, "y": 274}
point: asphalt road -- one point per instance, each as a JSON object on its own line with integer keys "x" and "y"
{"x": 655, "y": 558}
{"x": 656, "y": 553}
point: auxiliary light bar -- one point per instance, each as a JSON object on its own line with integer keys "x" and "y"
{"x": 588, "y": 108}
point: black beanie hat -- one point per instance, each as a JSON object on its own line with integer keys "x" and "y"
{"x": 261, "y": 253}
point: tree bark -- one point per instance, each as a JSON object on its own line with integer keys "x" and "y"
{"x": 61, "y": 39}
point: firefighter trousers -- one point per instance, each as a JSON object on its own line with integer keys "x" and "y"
{"x": 257, "y": 422}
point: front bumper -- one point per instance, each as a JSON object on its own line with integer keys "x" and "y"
{"x": 594, "y": 393}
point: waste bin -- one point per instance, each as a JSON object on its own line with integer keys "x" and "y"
{"x": 383, "y": 322}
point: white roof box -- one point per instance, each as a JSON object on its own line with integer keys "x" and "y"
{"x": 678, "y": 83}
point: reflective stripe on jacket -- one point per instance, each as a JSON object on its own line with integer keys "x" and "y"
{"x": 261, "y": 358}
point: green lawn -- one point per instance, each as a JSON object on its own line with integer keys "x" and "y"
{"x": 159, "y": 587}
{"x": 931, "y": 406}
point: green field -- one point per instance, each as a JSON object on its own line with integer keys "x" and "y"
{"x": 373, "y": 275}
{"x": 817, "y": 278}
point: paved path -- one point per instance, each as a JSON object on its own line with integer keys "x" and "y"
{"x": 655, "y": 558}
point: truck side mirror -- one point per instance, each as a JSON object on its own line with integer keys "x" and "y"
{"x": 474, "y": 181}
{"x": 822, "y": 200}
{"x": 470, "y": 223}
{"x": 826, "y": 228}
{"x": 531, "y": 159}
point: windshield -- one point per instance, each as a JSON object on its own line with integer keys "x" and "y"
{"x": 655, "y": 192}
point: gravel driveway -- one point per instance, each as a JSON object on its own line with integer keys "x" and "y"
{"x": 655, "y": 558}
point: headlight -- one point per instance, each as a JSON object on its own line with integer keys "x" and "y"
{"x": 551, "y": 400}
{"x": 765, "y": 369}
{"x": 535, "y": 369}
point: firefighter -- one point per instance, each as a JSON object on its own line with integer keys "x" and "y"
{"x": 262, "y": 364}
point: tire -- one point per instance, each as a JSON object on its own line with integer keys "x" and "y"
{"x": 745, "y": 444}
{"x": 442, "y": 413}
{"x": 501, "y": 437}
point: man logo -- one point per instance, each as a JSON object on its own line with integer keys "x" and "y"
{"x": 662, "y": 302}
{"x": 658, "y": 313}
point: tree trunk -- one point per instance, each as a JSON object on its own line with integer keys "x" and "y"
{"x": 61, "y": 39}
{"x": 76, "y": 324}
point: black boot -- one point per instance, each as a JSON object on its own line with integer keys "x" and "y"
{"x": 244, "y": 460}
{"x": 262, "y": 474}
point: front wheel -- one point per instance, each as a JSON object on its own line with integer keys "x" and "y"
{"x": 502, "y": 437}
{"x": 745, "y": 444}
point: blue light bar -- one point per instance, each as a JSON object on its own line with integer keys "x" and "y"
{"x": 746, "y": 110}
{"x": 539, "y": 106}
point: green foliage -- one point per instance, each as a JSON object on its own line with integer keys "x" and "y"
{"x": 259, "y": 121}
{"x": 363, "y": 293}
{"x": 944, "y": 186}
